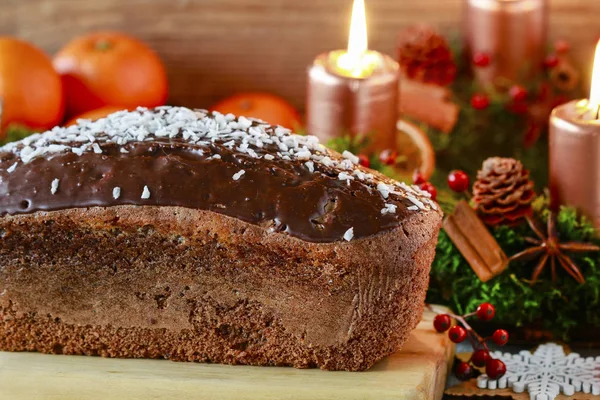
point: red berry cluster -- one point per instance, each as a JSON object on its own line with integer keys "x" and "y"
{"x": 425, "y": 186}
{"x": 481, "y": 357}
{"x": 481, "y": 101}
{"x": 561, "y": 47}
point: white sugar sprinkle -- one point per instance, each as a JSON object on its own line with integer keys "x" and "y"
{"x": 238, "y": 175}
{"x": 349, "y": 234}
{"x": 346, "y": 154}
{"x": 146, "y": 193}
{"x": 416, "y": 201}
{"x": 383, "y": 189}
{"x": 269, "y": 157}
{"x": 117, "y": 193}
{"x": 54, "y": 186}
{"x": 344, "y": 176}
{"x": 310, "y": 165}
{"x": 389, "y": 209}
{"x": 12, "y": 168}
{"x": 412, "y": 208}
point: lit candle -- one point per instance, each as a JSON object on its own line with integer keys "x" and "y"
{"x": 511, "y": 32}
{"x": 575, "y": 151}
{"x": 354, "y": 91}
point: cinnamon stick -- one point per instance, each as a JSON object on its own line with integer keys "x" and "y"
{"x": 428, "y": 103}
{"x": 475, "y": 242}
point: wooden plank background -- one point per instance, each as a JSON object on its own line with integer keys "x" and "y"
{"x": 214, "y": 48}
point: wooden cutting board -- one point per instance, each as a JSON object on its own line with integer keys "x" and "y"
{"x": 418, "y": 371}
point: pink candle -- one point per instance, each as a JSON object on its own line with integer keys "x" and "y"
{"x": 575, "y": 152}
{"x": 512, "y": 33}
{"x": 354, "y": 91}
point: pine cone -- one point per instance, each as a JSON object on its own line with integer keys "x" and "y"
{"x": 503, "y": 192}
{"x": 425, "y": 56}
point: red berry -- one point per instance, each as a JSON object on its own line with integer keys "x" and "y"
{"x": 480, "y": 358}
{"x": 495, "y": 369}
{"x": 500, "y": 337}
{"x": 388, "y": 156}
{"x": 458, "y": 181}
{"x": 429, "y": 188}
{"x": 417, "y": 178}
{"x": 486, "y": 311}
{"x": 518, "y": 93}
{"x": 442, "y": 322}
{"x": 551, "y": 61}
{"x": 482, "y": 59}
{"x": 364, "y": 160}
{"x": 480, "y": 101}
{"x": 457, "y": 334}
{"x": 562, "y": 46}
{"x": 463, "y": 371}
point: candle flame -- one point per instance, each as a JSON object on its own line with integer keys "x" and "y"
{"x": 358, "y": 39}
{"x": 357, "y": 61}
{"x": 595, "y": 92}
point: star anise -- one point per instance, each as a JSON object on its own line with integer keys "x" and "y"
{"x": 550, "y": 248}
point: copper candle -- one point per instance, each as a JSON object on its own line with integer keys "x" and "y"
{"x": 354, "y": 91}
{"x": 512, "y": 32}
{"x": 575, "y": 152}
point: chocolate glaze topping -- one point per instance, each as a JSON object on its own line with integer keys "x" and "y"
{"x": 179, "y": 157}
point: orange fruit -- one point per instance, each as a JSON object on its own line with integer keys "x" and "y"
{"x": 415, "y": 151}
{"x": 31, "y": 92}
{"x": 95, "y": 114}
{"x": 110, "y": 68}
{"x": 265, "y": 106}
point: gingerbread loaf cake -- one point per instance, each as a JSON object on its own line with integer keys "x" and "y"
{"x": 192, "y": 236}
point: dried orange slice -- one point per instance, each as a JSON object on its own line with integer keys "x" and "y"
{"x": 415, "y": 151}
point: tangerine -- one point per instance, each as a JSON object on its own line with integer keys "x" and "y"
{"x": 31, "y": 93}
{"x": 110, "y": 68}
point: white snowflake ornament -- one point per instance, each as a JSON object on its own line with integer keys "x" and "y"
{"x": 546, "y": 373}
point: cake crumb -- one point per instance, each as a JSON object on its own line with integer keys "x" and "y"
{"x": 54, "y": 185}
{"x": 238, "y": 175}
{"x": 116, "y": 192}
{"x": 349, "y": 235}
{"x": 146, "y": 193}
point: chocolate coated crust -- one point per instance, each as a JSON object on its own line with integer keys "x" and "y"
{"x": 180, "y": 157}
{"x": 195, "y": 285}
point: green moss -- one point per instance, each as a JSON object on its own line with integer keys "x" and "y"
{"x": 558, "y": 307}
